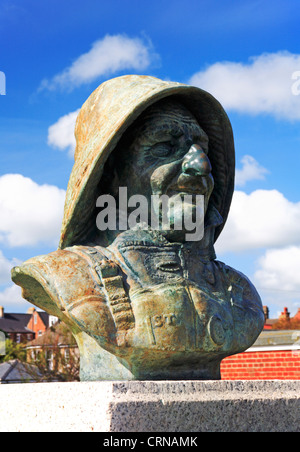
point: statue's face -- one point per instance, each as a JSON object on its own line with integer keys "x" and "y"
{"x": 168, "y": 156}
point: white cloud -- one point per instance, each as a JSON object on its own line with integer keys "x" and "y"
{"x": 107, "y": 56}
{"x": 251, "y": 170}
{"x": 280, "y": 269}
{"x": 262, "y": 219}
{"x": 277, "y": 277}
{"x": 30, "y": 213}
{"x": 266, "y": 221}
{"x": 264, "y": 85}
{"x": 11, "y": 299}
{"x": 61, "y": 134}
{"x": 5, "y": 268}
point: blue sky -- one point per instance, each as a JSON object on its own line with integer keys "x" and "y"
{"x": 54, "y": 54}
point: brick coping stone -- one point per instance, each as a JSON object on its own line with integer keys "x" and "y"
{"x": 152, "y": 406}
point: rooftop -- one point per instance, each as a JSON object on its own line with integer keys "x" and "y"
{"x": 15, "y": 371}
{"x": 15, "y": 323}
{"x": 278, "y": 337}
{"x": 57, "y": 335}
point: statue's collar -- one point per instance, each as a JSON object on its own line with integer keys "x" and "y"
{"x": 143, "y": 236}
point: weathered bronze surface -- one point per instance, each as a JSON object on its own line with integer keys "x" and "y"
{"x": 142, "y": 303}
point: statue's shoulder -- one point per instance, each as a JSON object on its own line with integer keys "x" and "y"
{"x": 68, "y": 263}
{"x": 56, "y": 280}
{"x": 239, "y": 282}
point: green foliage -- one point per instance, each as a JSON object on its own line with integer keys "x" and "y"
{"x": 55, "y": 355}
{"x": 48, "y": 361}
{"x": 50, "y": 364}
{"x": 13, "y": 351}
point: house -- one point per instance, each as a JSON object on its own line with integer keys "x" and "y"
{"x": 297, "y": 316}
{"x": 284, "y": 321}
{"x": 274, "y": 356}
{"x": 268, "y": 322}
{"x": 55, "y": 351}
{"x": 23, "y": 328}
{"x": 15, "y": 371}
{"x": 40, "y": 321}
{"x": 14, "y": 326}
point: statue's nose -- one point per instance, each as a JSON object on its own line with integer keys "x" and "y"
{"x": 196, "y": 162}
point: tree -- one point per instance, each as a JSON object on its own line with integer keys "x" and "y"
{"x": 13, "y": 351}
{"x": 55, "y": 355}
{"x": 287, "y": 324}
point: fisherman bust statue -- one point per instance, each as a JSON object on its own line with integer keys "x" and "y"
{"x": 147, "y": 300}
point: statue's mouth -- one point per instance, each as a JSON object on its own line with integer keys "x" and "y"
{"x": 192, "y": 185}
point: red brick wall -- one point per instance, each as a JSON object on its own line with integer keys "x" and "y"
{"x": 268, "y": 365}
{"x": 25, "y": 337}
{"x": 36, "y": 326}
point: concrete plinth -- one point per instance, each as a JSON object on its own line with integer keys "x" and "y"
{"x": 148, "y": 406}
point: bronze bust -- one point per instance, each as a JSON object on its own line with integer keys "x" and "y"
{"x": 144, "y": 302}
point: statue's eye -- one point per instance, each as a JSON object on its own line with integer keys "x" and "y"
{"x": 161, "y": 149}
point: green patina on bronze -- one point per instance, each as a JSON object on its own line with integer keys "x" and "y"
{"x": 146, "y": 304}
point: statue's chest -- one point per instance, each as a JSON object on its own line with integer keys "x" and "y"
{"x": 170, "y": 310}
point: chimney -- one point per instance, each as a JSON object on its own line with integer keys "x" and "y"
{"x": 297, "y": 316}
{"x": 266, "y": 312}
{"x": 1, "y": 312}
{"x": 285, "y": 314}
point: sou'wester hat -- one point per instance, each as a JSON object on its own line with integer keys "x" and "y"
{"x": 102, "y": 121}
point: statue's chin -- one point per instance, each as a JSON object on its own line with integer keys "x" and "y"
{"x": 184, "y": 222}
